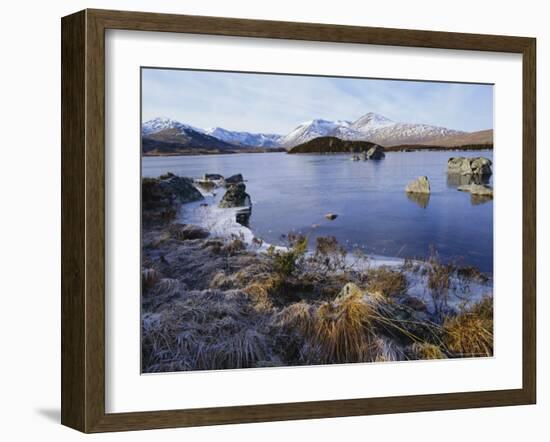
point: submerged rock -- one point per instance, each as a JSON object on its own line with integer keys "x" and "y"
{"x": 477, "y": 190}
{"x": 420, "y": 185}
{"x": 331, "y": 216}
{"x": 375, "y": 153}
{"x": 480, "y": 166}
{"x": 236, "y": 196}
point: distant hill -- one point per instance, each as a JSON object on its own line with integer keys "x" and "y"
{"x": 480, "y": 137}
{"x": 152, "y": 147}
{"x": 331, "y": 145}
{"x": 188, "y": 138}
{"x": 480, "y": 140}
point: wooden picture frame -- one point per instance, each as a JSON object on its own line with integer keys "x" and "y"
{"x": 83, "y": 219}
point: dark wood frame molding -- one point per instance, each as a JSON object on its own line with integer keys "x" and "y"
{"x": 83, "y": 217}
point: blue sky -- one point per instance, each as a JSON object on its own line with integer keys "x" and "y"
{"x": 278, "y": 103}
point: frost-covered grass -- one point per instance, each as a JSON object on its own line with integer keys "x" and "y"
{"x": 288, "y": 307}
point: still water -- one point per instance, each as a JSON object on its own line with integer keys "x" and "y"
{"x": 292, "y": 193}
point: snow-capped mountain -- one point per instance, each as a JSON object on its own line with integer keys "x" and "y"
{"x": 313, "y": 129}
{"x": 245, "y": 138}
{"x": 370, "y": 127}
{"x": 165, "y": 132}
{"x": 162, "y": 123}
{"x": 370, "y": 122}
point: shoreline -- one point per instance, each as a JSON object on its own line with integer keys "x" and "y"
{"x": 221, "y": 223}
{"x": 401, "y": 148}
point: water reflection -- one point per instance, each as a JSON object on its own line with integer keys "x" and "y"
{"x": 420, "y": 199}
{"x": 477, "y": 200}
{"x": 455, "y": 180}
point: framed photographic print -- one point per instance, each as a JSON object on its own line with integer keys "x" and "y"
{"x": 269, "y": 220}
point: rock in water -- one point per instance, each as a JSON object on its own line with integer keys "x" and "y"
{"x": 236, "y": 196}
{"x": 163, "y": 191}
{"x": 477, "y": 189}
{"x": 182, "y": 187}
{"x": 375, "y": 153}
{"x": 420, "y": 185}
{"x": 479, "y": 166}
{"x": 331, "y": 216}
{"x": 234, "y": 179}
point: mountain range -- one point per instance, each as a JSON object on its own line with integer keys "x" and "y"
{"x": 159, "y": 133}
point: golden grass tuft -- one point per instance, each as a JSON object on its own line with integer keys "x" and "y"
{"x": 343, "y": 330}
{"x": 386, "y": 281}
{"x": 425, "y": 350}
{"x": 470, "y": 333}
{"x": 298, "y": 317}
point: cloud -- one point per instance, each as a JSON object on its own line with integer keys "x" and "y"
{"x": 278, "y": 103}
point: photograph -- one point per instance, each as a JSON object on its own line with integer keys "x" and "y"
{"x": 304, "y": 220}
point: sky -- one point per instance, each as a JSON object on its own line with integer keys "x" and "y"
{"x": 279, "y": 103}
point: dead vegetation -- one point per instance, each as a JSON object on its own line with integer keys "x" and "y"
{"x": 470, "y": 332}
{"x": 290, "y": 307}
{"x": 386, "y": 281}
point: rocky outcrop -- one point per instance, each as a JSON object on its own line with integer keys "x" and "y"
{"x": 375, "y": 153}
{"x": 161, "y": 197}
{"x": 234, "y": 179}
{"x": 236, "y": 196}
{"x": 420, "y": 185}
{"x": 479, "y": 166}
{"x": 477, "y": 190}
{"x": 181, "y": 188}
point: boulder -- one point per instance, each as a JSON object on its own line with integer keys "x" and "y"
{"x": 420, "y": 185}
{"x": 167, "y": 190}
{"x": 234, "y": 179}
{"x": 181, "y": 187}
{"x": 375, "y": 153}
{"x": 477, "y": 189}
{"x": 236, "y": 196}
{"x": 187, "y": 231}
{"x": 479, "y": 166}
